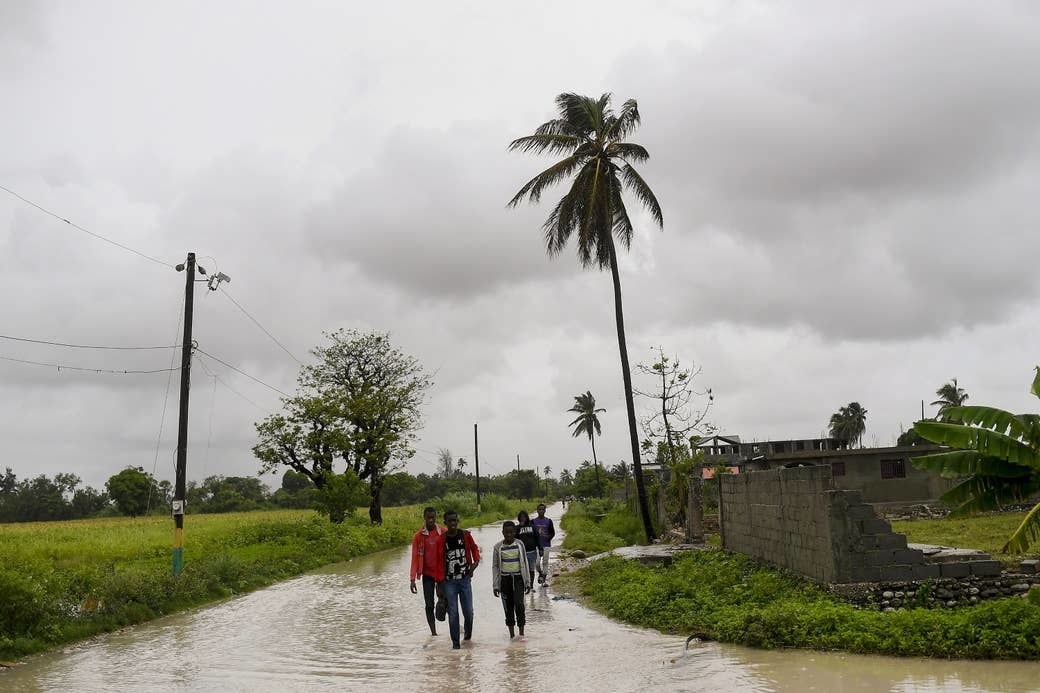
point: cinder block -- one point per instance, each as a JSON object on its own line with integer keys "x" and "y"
{"x": 926, "y": 572}
{"x": 874, "y": 526}
{"x": 891, "y": 541}
{"x": 882, "y": 557}
{"x": 865, "y": 574}
{"x": 911, "y": 556}
{"x": 897, "y": 573}
{"x": 861, "y": 512}
{"x": 954, "y": 570}
{"x": 985, "y": 568}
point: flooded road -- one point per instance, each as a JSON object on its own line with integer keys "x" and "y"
{"x": 355, "y": 626}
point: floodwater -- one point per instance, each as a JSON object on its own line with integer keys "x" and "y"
{"x": 356, "y": 627}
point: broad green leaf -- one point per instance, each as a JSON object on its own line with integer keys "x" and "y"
{"x": 1026, "y": 533}
{"x": 986, "y": 441}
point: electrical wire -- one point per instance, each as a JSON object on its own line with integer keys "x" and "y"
{"x": 217, "y": 379}
{"x": 166, "y": 401}
{"x": 253, "y": 378}
{"x": 85, "y": 346}
{"x": 255, "y": 322}
{"x": 80, "y": 228}
{"x": 60, "y": 367}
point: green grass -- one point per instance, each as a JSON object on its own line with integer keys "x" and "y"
{"x": 986, "y": 532}
{"x": 597, "y": 526}
{"x": 722, "y": 596}
{"x": 63, "y": 581}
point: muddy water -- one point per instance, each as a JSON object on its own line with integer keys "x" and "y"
{"x": 355, "y": 627}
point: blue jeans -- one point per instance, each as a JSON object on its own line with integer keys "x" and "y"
{"x": 456, "y": 591}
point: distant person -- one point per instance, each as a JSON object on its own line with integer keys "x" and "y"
{"x": 511, "y": 577}
{"x": 527, "y": 533}
{"x": 457, "y": 558}
{"x": 546, "y": 532}
{"x": 424, "y": 562}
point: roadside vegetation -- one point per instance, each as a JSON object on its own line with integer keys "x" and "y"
{"x": 727, "y": 597}
{"x": 64, "y": 581}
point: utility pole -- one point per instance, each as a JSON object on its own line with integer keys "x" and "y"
{"x": 187, "y": 346}
{"x": 182, "y": 422}
{"x": 518, "y": 463}
{"x": 476, "y": 464}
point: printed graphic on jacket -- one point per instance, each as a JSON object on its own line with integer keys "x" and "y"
{"x": 454, "y": 556}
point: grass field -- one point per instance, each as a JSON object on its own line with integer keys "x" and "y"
{"x": 63, "y": 581}
{"x": 985, "y": 532}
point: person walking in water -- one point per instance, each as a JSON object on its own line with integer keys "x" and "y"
{"x": 511, "y": 577}
{"x": 528, "y": 535}
{"x": 457, "y": 558}
{"x": 546, "y": 532}
{"x": 424, "y": 562}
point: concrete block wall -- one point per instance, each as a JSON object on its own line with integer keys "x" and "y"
{"x": 794, "y": 518}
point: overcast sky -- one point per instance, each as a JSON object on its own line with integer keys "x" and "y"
{"x": 849, "y": 195}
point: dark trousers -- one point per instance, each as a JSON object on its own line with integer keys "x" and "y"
{"x": 512, "y": 591}
{"x": 429, "y": 593}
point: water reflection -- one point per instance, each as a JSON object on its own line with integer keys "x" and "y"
{"x": 355, "y": 626}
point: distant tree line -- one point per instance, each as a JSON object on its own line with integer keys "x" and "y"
{"x": 134, "y": 492}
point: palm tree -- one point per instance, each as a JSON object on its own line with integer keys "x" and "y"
{"x": 598, "y": 162}
{"x": 546, "y": 470}
{"x": 587, "y": 423}
{"x": 998, "y": 452}
{"x": 849, "y": 423}
{"x": 949, "y": 396}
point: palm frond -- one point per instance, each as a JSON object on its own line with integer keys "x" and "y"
{"x": 960, "y": 463}
{"x": 1035, "y": 387}
{"x": 635, "y": 183}
{"x": 989, "y": 442}
{"x": 581, "y": 112}
{"x": 1026, "y": 534}
{"x": 622, "y": 227}
{"x": 625, "y": 123}
{"x": 541, "y": 143}
{"x": 550, "y": 176}
{"x": 629, "y": 151}
{"x": 564, "y": 218}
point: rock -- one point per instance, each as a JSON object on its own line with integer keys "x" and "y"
{"x": 1020, "y": 587}
{"x": 973, "y": 590}
{"x": 951, "y": 603}
{"x": 887, "y": 594}
{"x": 578, "y": 553}
{"x": 888, "y": 609}
{"x": 1030, "y": 565}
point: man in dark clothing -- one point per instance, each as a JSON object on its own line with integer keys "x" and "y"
{"x": 546, "y": 532}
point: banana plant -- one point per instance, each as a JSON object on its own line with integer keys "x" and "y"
{"x": 996, "y": 454}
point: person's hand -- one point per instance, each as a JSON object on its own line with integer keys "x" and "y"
{"x": 440, "y": 590}
{"x": 414, "y": 591}
{"x": 527, "y": 590}
{"x": 496, "y": 592}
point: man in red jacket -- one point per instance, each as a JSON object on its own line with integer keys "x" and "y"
{"x": 425, "y": 561}
{"x": 458, "y": 557}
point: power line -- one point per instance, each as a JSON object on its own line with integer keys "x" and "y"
{"x": 85, "y": 346}
{"x": 225, "y": 363}
{"x": 80, "y": 228}
{"x": 62, "y": 367}
{"x": 255, "y": 322}
{"x": 217, "y": 379}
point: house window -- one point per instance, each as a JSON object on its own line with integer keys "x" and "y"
{"x": 799, "y": 445}
{"x": 837, "y": 469}
{"x": 778, "y": 448}
{"x": 893, "y": 469}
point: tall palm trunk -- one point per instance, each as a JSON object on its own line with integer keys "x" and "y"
{"x": 626, "y": 374}
{"x": 595, "y": 464}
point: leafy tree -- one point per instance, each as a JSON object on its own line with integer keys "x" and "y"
{"x": 401, "y": 488}
{"x": 341, "y": 495}
{"x": 999, "y": 454}
{"x": 460, "y": 467}
{"x": 950, "y": 395}
{"x": 360, "y": 402}
{"x": 674, "y": 419}
{"x": 849, "y": 423}
{"x": 910, "y": 437}
{"x": 133, "y": 490}
{"x": 598, "y": 161}
{"x": 87, "y": 502}
{"x": 224, "y": 494}
{"x": 587, "y": 423}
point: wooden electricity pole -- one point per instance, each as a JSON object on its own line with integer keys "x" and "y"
{"x": 476, "y": 464}
{"x": 182, "y": 422}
